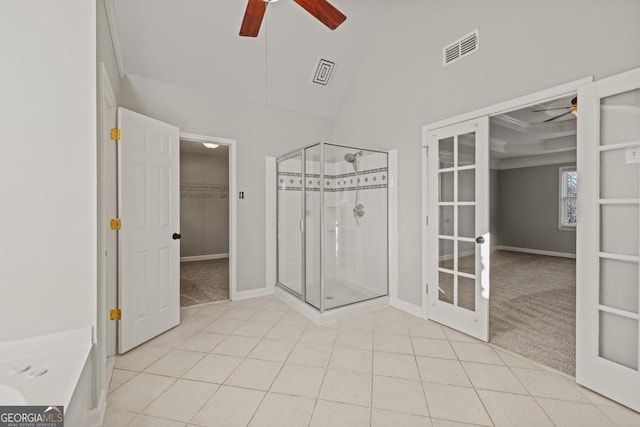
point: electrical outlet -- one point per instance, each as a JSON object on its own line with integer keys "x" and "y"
{"x": 632, "y": 155}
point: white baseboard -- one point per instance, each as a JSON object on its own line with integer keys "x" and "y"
{"x": 413, "y": 309}
{"x": 203, "y": 257}
{"x": 536, "y": 251}
{"x": 253, "y": 293}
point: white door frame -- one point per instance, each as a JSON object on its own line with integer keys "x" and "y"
{"x": 233, "y": 201}
{"x": 104, "y": 336}
{"x": 493, "y": 110}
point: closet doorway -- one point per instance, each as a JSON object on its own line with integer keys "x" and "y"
{"x": 204, "y": 220}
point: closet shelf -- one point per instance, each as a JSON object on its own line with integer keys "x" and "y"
{"x": 204, "y": 191}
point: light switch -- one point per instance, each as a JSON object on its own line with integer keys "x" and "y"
{"x": 632, "y": 155}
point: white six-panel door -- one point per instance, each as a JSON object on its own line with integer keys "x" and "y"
{"x": 458, "y": 231}
{"x": 149, "y": 256}
{"x": 608, "y": 262}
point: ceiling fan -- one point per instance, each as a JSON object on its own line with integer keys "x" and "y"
{"x": 573, "y": 109}
{"x": 324, "y": 11}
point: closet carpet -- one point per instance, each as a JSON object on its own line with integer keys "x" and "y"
{"x": 533, "y": 307}
{"x": 204, "y": 281}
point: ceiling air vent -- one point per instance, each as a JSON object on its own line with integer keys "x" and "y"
{"x": 462, "y": 47}
{"x": 324, "y": 72}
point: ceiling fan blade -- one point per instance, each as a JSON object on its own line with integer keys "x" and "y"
{"x": 253, "y": 18}
{"x": 557, "y": 117}
{"x": 550, "y": 109}
{"x": 324, "y": 11}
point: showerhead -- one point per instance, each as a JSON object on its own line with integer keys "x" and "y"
{"x": 352, "y": 157}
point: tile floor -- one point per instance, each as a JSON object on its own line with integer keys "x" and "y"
{"x": 259, "y": 363}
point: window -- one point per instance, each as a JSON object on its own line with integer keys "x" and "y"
{"x": 568, "y": 197}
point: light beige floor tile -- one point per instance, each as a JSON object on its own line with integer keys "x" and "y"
{"x": 333, "y": 414}
{"x": 116, "y": 417}
{"x": 140, "y": 358}
{"x": 119, "y": 377}
{"x": 277, "y": 305}
{"x": 240, "y": 313}
{"x": 236, "y": 345}
{"x": 258, "y": 302}
{"x": 350, "y": 359}
{"x": 267, "y": 316}
{"x": 214, "y": 310}
{"x": 458, "y": 336}
{"x": 433, "y": 348}
{"x": 392, "y": 343}
{"x": 622, "y": 416}
{"x": 224, "y": 326}
{"x": 493, "y": 377}
{"x": 175, "y": 363}
{"x": 597, "y": 399}
{"x": 391, "y": 328}
{"x": 319, "y": 335}
{"x": 395, "y": 365}
{"x": 426, "y": 329}
{"x": 138, "y": 392}
{"x": 254, "y": 374}
{"x": 229, "y": 407}
{"x": 202, "y": 341}
{"x": 196, "y": 322}
{"x": 507, "y": 410}
{"x": 399, "y": 395}
{"x": 380, "y": 418}
{"x": 446, "y": 423}
{"x": 172, "y": 338}
{"x": 278, "y": 410}
{"x": 273, "y": 350}
{"x": 310, "y": 355}
{"x": 455, "y": 403}
{"x": 357, "y": 323}
{"x": 347, "y": 387}
{"x": 213, "y": 368}
{"x": 253, "y": 328}
{"x": 182, "y": 400}
{"x": 549, "y": 384}
{"x": 573, "y": 414}
{"x": 190, "y": 311}
{"x": 295, "y": 318}
{"x": 443, "y": 371}
{"x": 299, "y": 380}
{"x": 473, "y": 352}
{"x": 349, "y": 338}
{"x": 286, "y": 331}
{"x": 516, "y": 361}
{"x": 147, "y": 421}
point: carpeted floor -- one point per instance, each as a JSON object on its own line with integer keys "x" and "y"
{"x": 533, "y": 307}
{"x": 204, "y": 281}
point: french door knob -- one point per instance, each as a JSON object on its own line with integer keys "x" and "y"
{"x": 177, "y": 236}
{"x": 480, "y": 239}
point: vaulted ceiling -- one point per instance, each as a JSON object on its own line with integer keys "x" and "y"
{"x": 195, "y": 43}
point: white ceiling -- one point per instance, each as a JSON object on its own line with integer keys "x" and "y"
{"x": 195, "y": 43}
{"x": 523, "y": 132}
{"x": 198, "y": 148}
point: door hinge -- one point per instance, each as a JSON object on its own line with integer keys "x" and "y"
{"x": 115, "y": 314}
{"x": 116, "y": 224}
{"x": 115, "y": 134}
{"x": 426, "y": 151}
{"x": 427, "y": 221}
{"x": 427, "y": 287}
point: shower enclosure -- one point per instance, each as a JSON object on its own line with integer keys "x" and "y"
{"x": 332, "y": 225}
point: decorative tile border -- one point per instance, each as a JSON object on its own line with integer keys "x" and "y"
{"x": 361, "y": 180}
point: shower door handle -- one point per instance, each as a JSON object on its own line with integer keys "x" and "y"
{"x": 480, "y": 239}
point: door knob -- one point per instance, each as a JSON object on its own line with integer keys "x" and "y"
{"x": 480, "y": 239}
{"x": 177, "y": 236}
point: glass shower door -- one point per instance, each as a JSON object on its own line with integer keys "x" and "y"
{"x": 290, "y": 235}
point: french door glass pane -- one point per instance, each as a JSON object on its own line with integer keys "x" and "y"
{"x": 619, "y": 339}
{"x": 445, "y": 153}
{"x": 446, "y": 186}
{"x": 620, "y": 118}
{"x": 467, "y": 257}
{"x": 446, "y": 254}
{"x": 619, "y": 284}
{"x": 467, "y": 293}
{"x": 467, "y": 185}
{"x": 446, "y": 221}
{"x": 467, "y": 149}
{"x": 467, "y": 221}
{"x": 618, "y": 178}
{"x": 619, "y": 229}
{"x": 445, "y": 287}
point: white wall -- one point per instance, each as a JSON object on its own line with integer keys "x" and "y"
{"x": 47, "y": 167}
{"x": 524, "y": 47}
{"x": 204, "y": 221}
{"x": 259, "y": 130}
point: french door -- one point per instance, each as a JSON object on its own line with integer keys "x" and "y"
{"x": 608, "y": 263}
{"x": 458, "y": 226}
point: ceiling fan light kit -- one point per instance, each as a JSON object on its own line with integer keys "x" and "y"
{"x": 573, "y": 109}
{"x": 322, "y": 10}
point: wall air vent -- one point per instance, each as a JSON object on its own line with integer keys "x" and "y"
{"x": 324, "y": 72}
{"x": 460, "y": 48}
